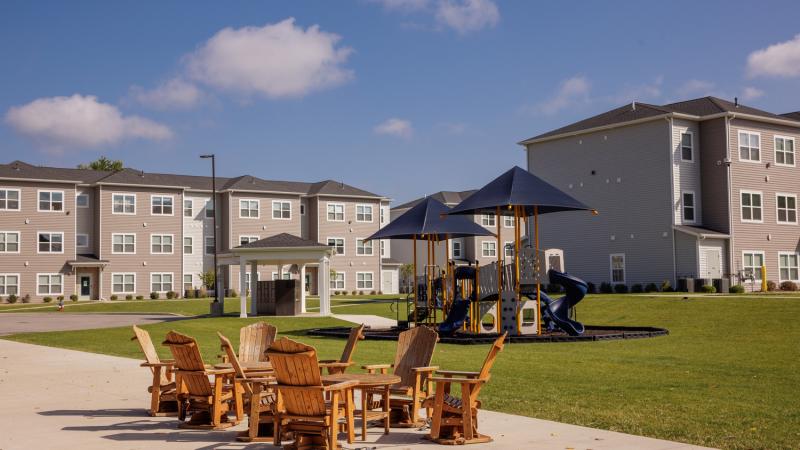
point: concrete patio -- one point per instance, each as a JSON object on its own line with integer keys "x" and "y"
{"x": 63, "y": 399}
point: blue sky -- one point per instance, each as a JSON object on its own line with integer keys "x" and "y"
{"x": 399, "y": 97}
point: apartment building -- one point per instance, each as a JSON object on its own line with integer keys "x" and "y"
{"x": 97, "y": 234}
{"x": 704, "y": 188}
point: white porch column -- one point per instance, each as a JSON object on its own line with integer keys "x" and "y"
{"x": 253, "y": 287}
{"x": 280, "y": 271}
{"x": 242, "y": 287}
{"x": 302, "y": 288}
{"x": 325, "y": 286}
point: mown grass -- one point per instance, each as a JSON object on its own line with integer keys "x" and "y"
{"x": 726, "y": 376}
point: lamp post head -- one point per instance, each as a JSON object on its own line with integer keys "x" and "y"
{"x": 207, "y": 156}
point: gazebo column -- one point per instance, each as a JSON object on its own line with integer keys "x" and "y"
{"x": 242, "y": 287}
{"x": 324, "y": 286}
{"x": 302, "y": 288}
{"x": 253, "y": 287}
{"x": 280, "y": 271}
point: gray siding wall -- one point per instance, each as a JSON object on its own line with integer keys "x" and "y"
{"x": 686, "y": 174}
{"x": 632, "y": 190}
{"x": 685, "y": 255}
{"x": 714, "y": 181}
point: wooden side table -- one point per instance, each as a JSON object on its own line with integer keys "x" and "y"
{"x": 368, "y": 381}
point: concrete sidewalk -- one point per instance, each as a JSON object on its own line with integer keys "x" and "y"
{"x": 63, "y": 399}
{"x": 36, "y": 322}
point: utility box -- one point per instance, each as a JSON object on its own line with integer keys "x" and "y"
{"x": 686, "y": 285}
{"x": 278, "y": 298}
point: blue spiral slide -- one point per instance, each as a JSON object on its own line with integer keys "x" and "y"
{"x": 556, "y": 312}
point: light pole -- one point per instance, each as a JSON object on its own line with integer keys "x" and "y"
{"x": 217, "y": 306}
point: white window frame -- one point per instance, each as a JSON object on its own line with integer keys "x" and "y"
{"x": 777, "y": 209}
{"x": 789, "y": 268}
{"x": 793, "y": 152}
{"x": 749, "y": 147}
{"x": 38, "y": 250}
{"x": 334, "y": 281}
{"x": 383, "y": 214}
{"x": 371, "y": 281}
{"x": 247, "y": 278}
{"x": 190, "y": 283}
{"x": 51, "y": 192}
{"x": 19, "y": 199}
{"x": 460, "y": 253}
{"x": 286, "y": 276}
{"x": 162, "y": 236}
{"x": 5, "y": 284}
{"x": 191, "y": 245}
{"x": 205, "y": 244}
{"x": 485, "y": 248}
{"x": 190, "y": 209}
{"x": 363, "y": 248}
{"x": 50, "y": 284}
{"x": 281, "y": 203}
{"x": 508, "y": 246}
{"x": 77, "y": 244}
{"x": 489, "y": 220}
{"x": 364, "y": 207}
{"x": 209, "y": 206}
{"x": 123, "y": 252}
{"x": 611, "y": 268}
{"x": 691, "y": 146}
{"x": 161, "y": 283}
{"x": 123, "y": 195}
{"x": 508, "y": 221}
{"x": 77, "y": 200}
{"x": 328, "y": 205}
{"x": 250, "y": 238}
{"x": 249, "y": 202}
{"x": 19, "y": 242}
{"x": 741, "y": 206}
{"x": 756, "y": 269}
{"x": 693, "y": 207}
{"x": 123, "y": 275}
{"x": 302, "y": 209}
{"x": 162, "y": 197}
{"x": 382, "y": 246}
{"x": 335, "y": 246}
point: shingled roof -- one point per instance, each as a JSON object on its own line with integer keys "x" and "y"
{"x": 282, "y": 240}
{"x": 447, "y": 197}
{"x": 23, "y": 170}
{"x": 792, "y": 115}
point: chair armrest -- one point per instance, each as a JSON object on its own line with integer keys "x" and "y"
{"x": 335, "y": 364}
{"x": 341, "y": 386}
{"x": 376, "y": 366}
{"x": 327, "y": 361}
{"x": 220, "y": 371}
{"x": 161, "y": 364}
{"x": 458, "y": 373}
{"x": 256, "y": 380}
{"x": 425, "y": 369}
{"x": 456, "y": 380}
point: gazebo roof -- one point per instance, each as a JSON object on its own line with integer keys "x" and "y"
{"x": 282, "y": 240}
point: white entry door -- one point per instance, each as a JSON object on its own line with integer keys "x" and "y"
{"x": 388, "y": 282}
{"x": 713, "y": 257}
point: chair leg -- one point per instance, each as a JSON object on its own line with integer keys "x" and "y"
{"x": 216, "y": 405}
{"x": 239, "y": 399}
{"x": 155, "y": 396}
{"x": 334, "y": 418}
{"x": 349, "y": 408}
{"x": 436, "y": 419}
{"x": 466, "y": 410}
{"x": 255, "y": 416}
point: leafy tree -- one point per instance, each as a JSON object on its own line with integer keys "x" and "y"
{"x": 103, "y": 164}
{"x": 208, "y": 278}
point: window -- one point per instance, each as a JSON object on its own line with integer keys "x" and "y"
{"x": 337, "y": 244}
{"x": 788, "y": 266}
{"x": 383, "y": 249}
{"x": 457, "y": 249}
{"x": 687, "y": 151}
{"x": 247, "y": 278}
{"x": 281, "y": 210}
{"x": 51, "y": 200}
{"x": 302, "y": 209}
{"x": 487, "y": 220}
{"x": 687, "y": 201}
{"x": 248, "y": 209}
{"x": 363, "y": 280}
{"x": 751, "y": 264}
{"x": 9, "y": 199}
{"x": 210, "y": 247}
{"x": 209, "y": 209}
{"x": 286, "y": 276}
{"x": 82, "y": 200}
{"x": 784, "y": 151}
{"x": 335, "y": 212}
{"x": 188, "y": 282}
{"x": 489, "y": 249}
{"x": 244, "y": 240}
{"x": 123, "y": 243}
{"x": 82, "y": 240}
{"x": 383, "y": 215}
{"x": 508, "y": 221}
{"x": 161, "y": 205}
{"x": 123, "y": 283}
{"x": 363, "y": 248}
{"x": 508, "y": 248}
{"x": 787, "y": 208}
{"x": 160, "y": 282}
{"x": 363, "y": 213}
{"x": 337, "y": 280}
{"x": 51, "y": 242}
{"x": 188, "y": 208}
{"x": 9, "y": 284}
{"x": 188, "y": 245}
{"x": 751, "y": 207}
{"x": 123, "y": 204}
{"x": 749, "y": 146}
{"x": 9, "y": 242}
{"x": 161, "y": 244}
{"x": 618, "y": 268}
{"x": 49, "y": 283}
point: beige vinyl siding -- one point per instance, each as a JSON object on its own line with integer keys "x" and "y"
{"x": 85, "y": 220}
{"x": 197, "y": 227}
{"x": 686, "y": 174}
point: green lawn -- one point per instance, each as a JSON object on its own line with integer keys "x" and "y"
{"x": 726, "y": 376}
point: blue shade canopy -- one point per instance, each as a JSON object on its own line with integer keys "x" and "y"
{"x": 429, "y": 219}
{"x": 518, "y": 187}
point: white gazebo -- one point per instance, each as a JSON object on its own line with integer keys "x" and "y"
{"x": 281, "y": 250}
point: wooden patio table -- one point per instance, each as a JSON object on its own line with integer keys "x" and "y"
{"x": 368, "y": 381}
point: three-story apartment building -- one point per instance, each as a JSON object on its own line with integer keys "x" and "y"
{"x": 704, "y": 188}
{"x": 100, "y": 234}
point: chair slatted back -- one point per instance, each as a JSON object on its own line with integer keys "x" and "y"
{"x": 254, "y": 340}
{"x": 187, "y": 357}
{"x": 485, "y": 372}
{"x": 356, "y": 334}
{"x": 228, "y": 348}
{"x": 149, "y": 350}
{"x": 414, "y": 349}
{"x": 295, "y": 364}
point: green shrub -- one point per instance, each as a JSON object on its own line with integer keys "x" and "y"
{"x": 788, "y": 286}
{"x": 12, "y": 298}
{"x": 129, "y": 297}
{"x": 372, "y": 292}
{"x": 232, "y": 293}
{"x": 26, "y": 298}
{"x": 60, "y": 298}
{"x": 202, "y": 293}
{"x": 737, "y": 289}
{"x": 651, "y": 287}
{"x": 772, "y": 286}
{"x": 708, "y": 289}
{"x": 637, "y": 288}
{"x": 47, "y": 299}
{"x": 606, "y": 288}
{"x": 140, "y": 297}
{"x": 666, "y": 286}
{"x": 171, "y": 295}
{"x": 591, "y": 288}
{"x": 380, "y": 292}
{"x": 621, "y": 288}
{"x": 114, "y": 297}
{"x": 154, "y": 296}
{"x": 73, "y": 297}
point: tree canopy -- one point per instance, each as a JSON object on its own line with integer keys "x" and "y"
{"x": 103, "y": 164}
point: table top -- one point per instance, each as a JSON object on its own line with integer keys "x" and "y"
{"x": 364, "y": 379}
{"x": 252, "y": 366}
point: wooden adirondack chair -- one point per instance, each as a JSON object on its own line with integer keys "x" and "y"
{"x": 254, "y": 340}
{"x": 412, "y": 364}
{"x": 259, "y": 398}
{"x": 333, "y": 366}
{"x": 163, "y": 400}
{"x": 207, "y": 403}
{"x": 302, "y": 408}
{"x": 454, "y": 419}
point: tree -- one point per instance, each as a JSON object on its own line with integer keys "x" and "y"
{"x": 103, "y": 164}
{"x": 208, "y": 278}
{"x": 407, "y": 275}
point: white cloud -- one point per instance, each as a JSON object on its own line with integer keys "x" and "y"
{"x": 467, "y": 15}
{"x": 276, "y": 60}
{"x": 695, "y": 88}
{"x": 176, "y": 93}
{"x": 777, "y": 60}
{"x": 403, "y": 5}
{"x": 751, "y": 93}
{"x": 395, "y": 127}
{"x": 571, "y": 92}
{"x": 80, "y": 121}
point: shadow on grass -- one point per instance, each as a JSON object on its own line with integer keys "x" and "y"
{"x": 96, "y": 412}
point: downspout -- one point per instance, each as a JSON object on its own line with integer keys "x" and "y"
{"x": 672, "y": 200}
{"x": 730, "y": 191}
